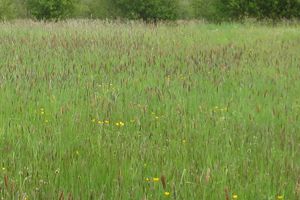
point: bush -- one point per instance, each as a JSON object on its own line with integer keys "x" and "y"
{"x": 103, "y": 9}
{"x": 238, "y": 9}
{"x": 6, "y": 9}
{"x": 278, "y": 9}
{"x": 212, "y": 10}
{"x": 50, "y": 9}
{"x": 271, "y": 9}
{"x": 148, "y": 10}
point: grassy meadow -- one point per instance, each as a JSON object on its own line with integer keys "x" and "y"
{"x": 100, "y": 110}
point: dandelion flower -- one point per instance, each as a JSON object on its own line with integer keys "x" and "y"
{"x": 106, "y": 122}
{"x": 279, "y": 197}
{"x": 235, "y": 196}
{"x": 122, "y": 124}
{"x": 155, "y": 179}
{"x": 117, "y": 124}
{"x": 167, "y": 193}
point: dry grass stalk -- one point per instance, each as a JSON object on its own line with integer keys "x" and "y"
{"x": 227, "y": 196}
{"x": 6, "y": 182}
{"x": 163, "y": 182}
{"x": 61, "y": 196}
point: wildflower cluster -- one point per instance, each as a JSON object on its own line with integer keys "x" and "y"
{"x": 157, "y": 180}
{"x": 42, "y": 113}
{"x": 108, "y": 122}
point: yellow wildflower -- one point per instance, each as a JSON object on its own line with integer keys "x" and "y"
{"x": 100, "y": 122}
{"x": 117, "y": 124}
{"x": 106, "y": 122}
{"x": 167, "y": 193}
{"x": 147, "y": 179}
{"x": 122, "y": 124}
{"x": 155, "y": 179}
{"x": 93, "y": 120}
{"x": 235, "y": 196}
{"x": 279, "y": 197}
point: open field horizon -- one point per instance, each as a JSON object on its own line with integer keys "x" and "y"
{"x": 102, "y": 110}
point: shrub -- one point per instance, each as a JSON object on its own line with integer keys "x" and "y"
{"x": 212, "y": 10}
{"x": 50, "y": 9}
{"x": 239, "y": 9}
{"x": 6, "y": 9}
{"x": 148, "y": 10}
{"x": 271, "y": 9}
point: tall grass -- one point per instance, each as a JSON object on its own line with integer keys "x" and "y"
{"x": 99, "y": 110}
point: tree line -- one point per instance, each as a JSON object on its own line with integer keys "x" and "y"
{"x": 151, "y": 10}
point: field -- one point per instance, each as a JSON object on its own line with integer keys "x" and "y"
{"x": 100, "y": 110}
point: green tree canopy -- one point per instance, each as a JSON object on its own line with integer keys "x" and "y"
{"x": 238, "y": 9}
{"x": 50, "y": 9}
{"x": 148, "y": 9}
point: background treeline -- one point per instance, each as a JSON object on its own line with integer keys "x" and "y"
{"x": 212, "y": 10}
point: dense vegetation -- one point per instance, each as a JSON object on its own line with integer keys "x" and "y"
{"x": 215, "y": 10}
{"x": 239, "y": 9}
{"x": 50, "y": 9}
{"x": 98, "y": 110}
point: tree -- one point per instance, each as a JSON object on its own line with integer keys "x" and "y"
{"x": 212, "y": 10}
{"x": 239, "y": 9}
{"x": 50, "y": 9}
{"x": 148, "y": 10}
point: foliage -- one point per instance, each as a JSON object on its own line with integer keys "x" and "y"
{"x": 211, "y": 10}
{"x": 6, "y": 9}
{"x": 148, "y": 9}
{"x": 239, "y": 9}
{"x": 103, "y": 9}
{"x": 186, "y": 10}
{"x": 272, "y": 9}
{"x": 50, "y": 9}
